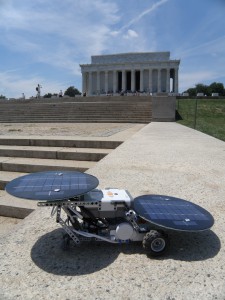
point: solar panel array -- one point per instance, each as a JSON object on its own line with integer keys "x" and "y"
{"x": 52, "y": 185}
{"x": 173, "y": 213}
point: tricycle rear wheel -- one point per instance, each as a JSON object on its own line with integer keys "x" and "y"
{"x": 155, "y": 243}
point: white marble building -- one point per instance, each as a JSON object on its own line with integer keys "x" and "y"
{"x": 151, "y": 72}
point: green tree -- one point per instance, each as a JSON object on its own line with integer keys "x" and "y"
{"x": 72, "y": 91}
{"x": 201, "y": 88}
{"x": 217, "y": 87}
{"x": 49, "y": 95}
{"x": 191, "y": 92}
{"x": 2, "y": 97}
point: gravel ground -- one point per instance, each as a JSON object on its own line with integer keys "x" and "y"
{"x": 7, "y": 224}
{"x": 64, "y": 129}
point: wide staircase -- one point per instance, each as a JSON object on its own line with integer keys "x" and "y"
{"x": 104, "y": 109}
{"x": 19, "y": 156}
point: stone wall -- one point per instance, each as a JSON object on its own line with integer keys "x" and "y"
{"x": 163, "y": 109}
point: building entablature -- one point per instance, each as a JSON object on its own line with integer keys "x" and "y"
{"x": 130, "y": 57}
{"x": 129, "y": 67}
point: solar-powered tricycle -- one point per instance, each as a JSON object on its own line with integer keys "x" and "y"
{"x": 109, "y": 215}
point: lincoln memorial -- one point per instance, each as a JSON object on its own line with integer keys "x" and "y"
{"x": 150, "y": 72}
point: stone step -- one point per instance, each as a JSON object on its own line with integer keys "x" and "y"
{"x": 101, "y": 109}
{"x": 5, "y": 177}
{"x": 73, "y": 107}
{"x": 92, "y": 99}
{"x": 85, "y": 154}
{"x": 92, "y": 119}
{"x": 14, "y": 207}
{"x": 75, "y": 120}
{"x": 74, "y": 104}
{"x": 57, "y": 118}
{"x": 70, "y": 113}
{"x": 29, "y": 165}
{"x": 84, "y": 120}
{"x": 102, "y": 116}
{"x": 60, "y": 142}
{"x": 80, "y": 104}
{"x": 47, "y": 119}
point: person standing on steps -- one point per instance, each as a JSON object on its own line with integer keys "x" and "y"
{"x": 38, "y": 89}
{"x": 60, "y": 94}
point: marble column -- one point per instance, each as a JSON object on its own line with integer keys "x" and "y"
{"x": 84, "y": 78}
{"x": 132, "y": 80}
{"x": 141, "y": 80}
{"x": 168, "y": 80}
{"x": 106, "y": 82}
{"x": 150, "y": 80}
{"x": 98, "y": 83}
{"x": 159, "y": 81}
{"x": 114, "y": 81}
{"x": 123, "y": 80}
{"x": 90, "y": 83}
{"x": 176, "y": 80}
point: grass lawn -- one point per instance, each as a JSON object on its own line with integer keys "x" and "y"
{"x": 210, "y": 115}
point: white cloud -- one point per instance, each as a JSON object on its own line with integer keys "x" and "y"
{"x": 144, "y": 13}
{"x": 130, "y": 34}
{"x": 137, "y": 38}
{"x": 57, "y": 33}
{"x": 66, "y": 33}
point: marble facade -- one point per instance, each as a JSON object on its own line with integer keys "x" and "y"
{"x": 151, "y": 72}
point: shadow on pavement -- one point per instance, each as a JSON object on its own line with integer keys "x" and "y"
{"x": 193, "y": 246}
{"x": 48, "y": 254}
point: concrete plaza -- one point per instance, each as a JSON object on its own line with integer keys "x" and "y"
{"x": 161, "y": 158}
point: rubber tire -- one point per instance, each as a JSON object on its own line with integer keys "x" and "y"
{"x": 155, "y": 243}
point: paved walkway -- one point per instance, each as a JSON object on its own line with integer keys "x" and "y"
{"x": 162, "y": 158}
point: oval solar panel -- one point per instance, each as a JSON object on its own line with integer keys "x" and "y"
{"x": 52, "y": 185}
{"x": 173, "y": 213}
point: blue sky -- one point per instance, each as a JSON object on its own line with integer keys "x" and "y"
{"x": 44, "y": 41}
